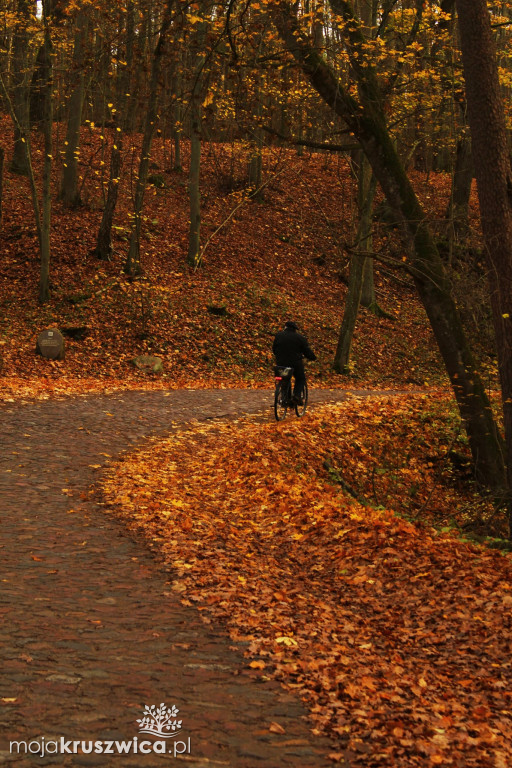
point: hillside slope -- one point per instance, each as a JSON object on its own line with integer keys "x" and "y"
{"x": 283, "y": 257}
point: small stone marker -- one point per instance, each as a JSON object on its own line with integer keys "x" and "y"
{"x": 50, "y": 344}
{"x": 148, "y": 363}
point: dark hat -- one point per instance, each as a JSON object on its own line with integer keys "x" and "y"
{"x": 290, "y": 324}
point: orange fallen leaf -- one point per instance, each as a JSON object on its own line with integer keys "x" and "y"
{"x": 257, "y": 664}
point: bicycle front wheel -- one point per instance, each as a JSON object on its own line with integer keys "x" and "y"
{"x": 300, "y": 410}
{"x": 281, "y": 401}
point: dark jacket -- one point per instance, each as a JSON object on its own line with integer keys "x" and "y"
{"x": 290, "y": 347}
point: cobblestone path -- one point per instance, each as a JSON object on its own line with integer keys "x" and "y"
{"x": 89, "y": 632}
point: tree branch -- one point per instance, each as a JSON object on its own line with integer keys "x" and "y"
{"x": 311, "y": 144}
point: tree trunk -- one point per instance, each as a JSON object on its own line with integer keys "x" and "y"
{"x": 135, "y": 108}
{"x": 70, "y": 194}
{"x": 133, "y": 263}
{"x": 358, "y": 262}
{"x": 176, "y": 137}
{"x": 26, "y": 145}
{"x": 100, "y": 82}
{"x": 256, "y": 158}
{"x": 494, "y": 181}
{"x": 256, "y": 164}
{"x": 177, "y": 117}
{"x": 37, "y": 90}
{"x": 20, "y": 89}
{"x": 103, "y": 248}
{"x": 368, "y": 290}
{"x": 194, "y": 254}
{"x": 2, "y": 157}
{"x": 367, "y": 12}
{"x": 47, "y": 124}
{"x": 458, "y": 207}
{"x": 367, "y": 122}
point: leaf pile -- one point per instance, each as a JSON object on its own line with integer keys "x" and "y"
{"x": 409, "y": 455}
{"x": 397, "y": 638}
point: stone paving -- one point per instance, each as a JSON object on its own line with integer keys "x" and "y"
{"x": 90, "y": 630}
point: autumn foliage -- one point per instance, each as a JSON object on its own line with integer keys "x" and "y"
{"x": 285, "y": 256}
{"x": 397, "y": 636}
{"x": 334, "y": 548}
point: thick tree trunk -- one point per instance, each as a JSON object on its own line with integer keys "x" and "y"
{"x": 367, "y": 122}
{"x": 494, "y": 180}
{"x": 69, "y": 193}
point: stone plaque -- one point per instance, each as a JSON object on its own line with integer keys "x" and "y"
{"x": 50, "y": 344}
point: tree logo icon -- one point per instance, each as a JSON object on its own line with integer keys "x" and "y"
{"x": 160, "y": 721}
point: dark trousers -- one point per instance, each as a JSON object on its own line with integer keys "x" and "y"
{"x": 300, "y": 379}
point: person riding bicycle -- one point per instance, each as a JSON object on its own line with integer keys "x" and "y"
{"x": 289, "y": 349}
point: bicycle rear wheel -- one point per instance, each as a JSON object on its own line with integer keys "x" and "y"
{"x": 300, "y": 410}
{"x": 281, "y": 400}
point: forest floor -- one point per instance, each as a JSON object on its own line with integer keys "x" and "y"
{"x": 283, "y": 257}
{"x": 326, "y": 546}
{"x": 332, "y": 548}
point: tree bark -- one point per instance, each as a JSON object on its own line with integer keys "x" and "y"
{"x": 133, "y": 265}
{"x": 47, "y": 124}
{"x": 458, "y": 207}
{"x": 358, "y": 263}
{"x": 20, "y": 89}
{"x": 103, "y": 248}
{"x": 193, "y": 256}
{"x": 256, "y": 162}
{"x": 177, "y": 116}
{"x": 70, "y": 194}
{"x": 256, "y": 157}
{"x": 2, "y": 157}
{"x": 494, "y": 182}
{"x": 37, "y": 90}
{"x": 25, "y": 136}
{"x": 368, "y": 290}
{"x": 194, "y": 240}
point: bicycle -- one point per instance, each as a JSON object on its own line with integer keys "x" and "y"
{"x": 283, "y": 398}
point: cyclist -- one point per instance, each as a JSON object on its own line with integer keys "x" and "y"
{"x": 289, "y": 349}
